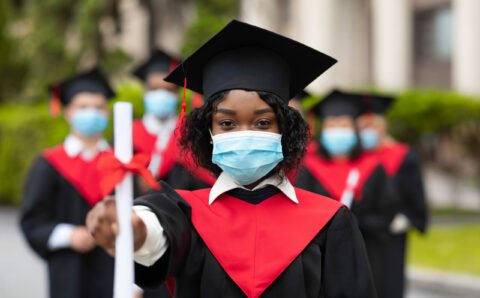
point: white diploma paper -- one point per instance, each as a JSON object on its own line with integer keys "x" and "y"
{"x": 124, "y": 270}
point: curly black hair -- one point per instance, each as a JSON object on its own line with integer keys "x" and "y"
{"x": 195, "y": 133}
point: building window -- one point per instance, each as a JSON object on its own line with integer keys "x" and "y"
{"x": 433, "y": 47}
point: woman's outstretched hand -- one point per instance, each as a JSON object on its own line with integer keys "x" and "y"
{"x": 103, "y": 226}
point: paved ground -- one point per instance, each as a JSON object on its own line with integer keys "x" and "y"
{"x": 23, "y": 274}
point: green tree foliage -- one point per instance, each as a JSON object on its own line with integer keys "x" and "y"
{"x": 44, "y": 41}
{"x": 212, "y": 16}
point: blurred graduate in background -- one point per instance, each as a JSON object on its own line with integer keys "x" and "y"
{"x": 62, "y": 186}
{"x": 334, "y": 166}
{"x": 155, "y": 134}
{"x": 403, "y": 167}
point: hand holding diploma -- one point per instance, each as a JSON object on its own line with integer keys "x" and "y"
{"x": 103, "y": 225}
{"x": 112, "y": 222}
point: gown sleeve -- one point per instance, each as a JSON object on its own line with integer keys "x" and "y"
{"x": 347, "y": 271}
{"x": 174, "y": 215}
{"x": 37, "y": 218}
{"x": 410, "y": 184}
{"x": 379, "y": 204}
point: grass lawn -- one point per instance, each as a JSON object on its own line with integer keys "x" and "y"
{"x": 449, "y": 248}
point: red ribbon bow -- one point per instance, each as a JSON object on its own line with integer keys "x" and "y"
{"x": 114, "y": 171}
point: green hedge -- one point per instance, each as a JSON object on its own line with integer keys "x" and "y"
{"x": 26, "y": 129}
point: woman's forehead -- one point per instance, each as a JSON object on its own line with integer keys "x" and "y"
{"x": 242, "y": 100}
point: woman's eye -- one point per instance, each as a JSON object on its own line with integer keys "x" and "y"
{"x": 227, "y": 123}
{"x": 263, "y": 123}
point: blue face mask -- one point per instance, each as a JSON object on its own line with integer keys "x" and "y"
{"x": 89, "y": 122}
{"x": 338, "y": 140}
{"x": 248, "y": 155}
{"x": 160, "y": 103}
{"x": 369, "y": 138}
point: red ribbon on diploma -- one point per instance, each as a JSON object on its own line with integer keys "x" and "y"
{"x": 114, "y": 171}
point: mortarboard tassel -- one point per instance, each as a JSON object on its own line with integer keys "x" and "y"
{"x": 55, "y": 101}
{"x": 184, "y": 103}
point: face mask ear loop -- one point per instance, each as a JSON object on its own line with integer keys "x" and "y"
{"x": 211, "y": 136}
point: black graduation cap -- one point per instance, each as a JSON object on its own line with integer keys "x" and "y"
{"x": 339, "y": 103}
{"x": 302, "y": 95}
{"x": 242, "y": 56}
{"x": 376, "y": 104}
{"x": 159, "y": 61}
{"x": 92, "y": 81}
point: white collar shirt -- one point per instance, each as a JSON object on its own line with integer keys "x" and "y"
{"x": 74, "y": 147}
{"x": 226, "y": 183}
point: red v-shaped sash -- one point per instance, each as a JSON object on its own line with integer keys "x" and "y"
{"x": 254, "y": 244}
{"x": 333, "y": 175}
{"x": 82, "y": 175}
{"x": 144, "y": 142}
{"x": 392, "y": 157}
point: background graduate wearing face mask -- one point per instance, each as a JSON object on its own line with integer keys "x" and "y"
{"x": 403, "y": 168}
{"x": 62, "y": 186}
{"x": 252, "y": 234}
{"x": 335, "y": 167}
{"x": 154, "y": 134}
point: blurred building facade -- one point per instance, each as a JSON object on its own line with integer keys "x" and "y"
{"x": 390, "y": 44}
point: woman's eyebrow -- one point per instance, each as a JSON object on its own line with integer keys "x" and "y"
{"x": 226, "y": 111}
{"x": 263, "y": 111}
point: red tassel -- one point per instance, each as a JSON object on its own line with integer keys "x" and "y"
{"x": 184, "y": 103}
{"x": 55, "y": 104}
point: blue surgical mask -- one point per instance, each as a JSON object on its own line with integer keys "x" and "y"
{"x": 160, "y": 103}
{"x": 369, "y": 138}
{"x": 338, "y": 140}
{"x": 247, "y": 155}
{"x": 89, "y": 122}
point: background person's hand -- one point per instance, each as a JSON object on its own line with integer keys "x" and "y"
{"x": 81, "y": 241}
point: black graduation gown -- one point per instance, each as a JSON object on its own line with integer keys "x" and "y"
{"x": 175, "y": 170}
{"x": 332, "y": 264}
{"x": 49, "y": 199}
{"x": 374, "y": 211}
{"x": 403, "y": 167}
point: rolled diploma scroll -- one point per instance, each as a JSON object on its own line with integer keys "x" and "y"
{"x": 124, "y": 276}
{"x": 352, "y": 181}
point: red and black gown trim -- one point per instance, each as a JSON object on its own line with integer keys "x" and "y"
{"x": 375, "y": 199}
{"x": 257, "y": 245}
{"x": 60, "y": 189}
{"x": 403, "y": 168}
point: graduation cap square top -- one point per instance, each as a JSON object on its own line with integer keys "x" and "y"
{"x": 92, "y": 81}
{"x": 339, "y": 103}
{"x": 159, "y": 61}
{"x": 242, "y": 56}
{"x": 376, "y": 104}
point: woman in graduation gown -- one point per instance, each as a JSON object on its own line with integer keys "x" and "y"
{"x": 154, "y": 133}
{"x": 403, "y": 168}
{"x": 335, "y": 167}
{"x": 252, "y": 234}
{"x": 62, "y": 186}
